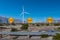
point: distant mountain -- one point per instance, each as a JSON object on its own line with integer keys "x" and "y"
{"x": 5, "y": 20}
{"x": 17, "y": 21}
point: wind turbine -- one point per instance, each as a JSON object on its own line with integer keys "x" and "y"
{"x": 23, "y": 13}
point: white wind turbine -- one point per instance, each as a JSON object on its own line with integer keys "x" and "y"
{"x": 23, "y": 13}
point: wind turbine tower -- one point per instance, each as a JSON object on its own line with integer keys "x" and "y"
{"x": 23, "y": 13}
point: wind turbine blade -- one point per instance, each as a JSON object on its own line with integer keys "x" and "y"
{"x": 21, "y": 14}
{"x": 26, "y": 13}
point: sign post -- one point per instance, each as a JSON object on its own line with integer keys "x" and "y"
{"x": 29, "y": 20}
{"x": 10, "y": 20}
{"x": 49, "y": 20}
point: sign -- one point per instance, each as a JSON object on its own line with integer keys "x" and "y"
{"x": 10, "y": 20}
{"x": 29, "y": 20}
{"x": 49, "y": 20}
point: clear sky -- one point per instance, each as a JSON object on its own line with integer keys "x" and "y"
{"x": 38, "y": 9}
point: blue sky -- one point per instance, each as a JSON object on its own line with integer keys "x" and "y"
{"x": 39, "y": 9}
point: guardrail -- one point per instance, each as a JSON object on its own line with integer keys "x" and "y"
{"x": 28, "y": 33}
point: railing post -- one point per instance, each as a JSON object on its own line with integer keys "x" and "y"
{"x": 0, "y": 35}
